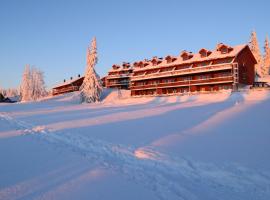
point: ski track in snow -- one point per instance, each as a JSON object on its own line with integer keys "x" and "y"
{"x": 167, "y": 176}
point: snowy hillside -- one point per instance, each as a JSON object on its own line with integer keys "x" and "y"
{"x": 211, "y": 146}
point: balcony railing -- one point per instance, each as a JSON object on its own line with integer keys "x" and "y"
{"x": 65, "y": 90}
{"x": 225, "y": 79}
{"x": 118, "y": 76}
{"x": 117, "y": 84}
{"x": 208, "y": 68}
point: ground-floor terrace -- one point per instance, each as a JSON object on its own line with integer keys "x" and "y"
{"x": 183, "y": 89}
{"x": 206, "y": 82}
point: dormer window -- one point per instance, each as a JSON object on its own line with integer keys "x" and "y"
{"x": 141, "y": 64}
{"x": 115, "y": 67}
{"x": 135, "y": 64}
{"x": 204, "y": 53}
{"x": 155, "y": 61}
{"x": 126, "y": 65}
{"x": 223, "y": 48}
{"x": 186, "y": 55}
{"x": 170, "y": 59}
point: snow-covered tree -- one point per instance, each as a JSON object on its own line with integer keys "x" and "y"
{"x": 2, "y": 98}
{"x": 266, "y": 60}
{"x": 2, "y": 91}
{"x": 26, "y": 84}
{"x": 11, "y": 92}
{"x": 254, "y": 47}
{"x": 38, "y": 84}
{"x": 32, "y": 86}
{"x": 91, "y": 88}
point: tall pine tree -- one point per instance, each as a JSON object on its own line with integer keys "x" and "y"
{"x": 254, "y": 47}
{"x": 266, "y": 60}
{"x": 91, "y": 88}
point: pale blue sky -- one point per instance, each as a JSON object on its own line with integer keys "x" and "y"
{"x": 54, "y": 34}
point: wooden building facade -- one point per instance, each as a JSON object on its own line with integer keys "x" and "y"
{"x": 71, "y": 85}
{"x": 119, "y": 76}
{"x": 223, "y": 68}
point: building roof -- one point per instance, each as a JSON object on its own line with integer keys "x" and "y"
{"x": 215, "y": 54}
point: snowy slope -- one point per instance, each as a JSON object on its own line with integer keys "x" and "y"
{"x": 211, "y": 146}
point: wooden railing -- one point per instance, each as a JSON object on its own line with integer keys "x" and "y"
{"x": 65, "y": 90}
{"x": 118, "y": 76}
{"x": 116, "y": 84}
{"x": 208, "y": 68}
{"x": 184, "y": 83}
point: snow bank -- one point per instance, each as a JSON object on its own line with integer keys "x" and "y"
{"x": 208, "y": 146}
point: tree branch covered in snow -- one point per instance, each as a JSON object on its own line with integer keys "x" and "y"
{"x": 33, "y": 86}
{"x": 91, "y": 88}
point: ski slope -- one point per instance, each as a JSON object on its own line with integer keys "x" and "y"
{"x": 208, "y": 146}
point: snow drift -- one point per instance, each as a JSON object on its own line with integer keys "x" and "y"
{"x": 209, "y": 146}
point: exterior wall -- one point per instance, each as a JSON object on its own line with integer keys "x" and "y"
{"x": 118, "y": 79}
{"x": 119, "y": 83}
{"x": 246, "y": 66}
{"x": 74, "y": 86}
{"x": 191, "y": 82}
{"x": 208, "y": 75}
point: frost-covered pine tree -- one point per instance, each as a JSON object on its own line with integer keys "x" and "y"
{"x": 266, "y": 60}
{"x": 26, "y": 84}
{"x": 254, "y": 47}
{"x": 91, "y": 88}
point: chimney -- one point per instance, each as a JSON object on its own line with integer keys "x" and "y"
{"x": 79, "y": 75}
{"x": 64, "y": 80}
{"x": 71, "y": 78}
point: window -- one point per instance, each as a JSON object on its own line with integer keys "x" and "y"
{"x": 224, "y": 87}
{"x": 204, "y": 77}
{"x": 186, "y": 78}
{"x": 224, "y": 50}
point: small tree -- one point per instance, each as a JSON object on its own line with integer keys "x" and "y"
{"x": 91, "y": 88}
{"x": 32, "y": 86}
{"x": 38, "y": 84}
{"x": 266, "y": 60}
{"x": 254, "y": 47}
{"x": 2, "y": 98}
{"x": 26, "y": 85}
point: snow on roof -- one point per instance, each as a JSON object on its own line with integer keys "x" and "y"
{"x": 67, "y": 82}
{"x": 216, "y": 54}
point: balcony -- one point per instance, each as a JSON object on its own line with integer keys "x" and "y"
{"x": 65, "y": 90}
{"x": 208, "y": 68}
{"x": 226, "y": 79}
{"x": 112, "y": 84}
{"x": 118, "y": 76}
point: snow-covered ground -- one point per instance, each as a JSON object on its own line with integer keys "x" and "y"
{"x": 208, "y": 146}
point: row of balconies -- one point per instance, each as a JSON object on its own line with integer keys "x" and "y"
{"x": 183, "y": 71}
{"x": 118, "y": 76}
{"x": 173, "y": 72}
{"x": 65, "y": 90}
{"x": 184, "y": 83}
